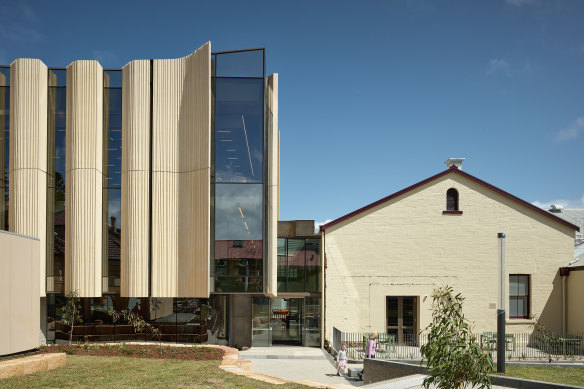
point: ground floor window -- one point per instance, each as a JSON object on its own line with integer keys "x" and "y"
{"x": 402, "y": 319}
{"x": 519, "y": 296}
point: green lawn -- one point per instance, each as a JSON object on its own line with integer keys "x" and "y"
{"x": 113, "y": 372}
{"x": 549, "y": 374}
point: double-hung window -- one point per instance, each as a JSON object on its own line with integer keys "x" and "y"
{"x": 519, "y": 296}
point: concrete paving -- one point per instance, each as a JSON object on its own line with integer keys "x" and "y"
{"x": 298, "y": 364}
{"x": 314, "y": 365}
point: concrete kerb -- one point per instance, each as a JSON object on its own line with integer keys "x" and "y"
{"x": 383, "y": 370}
{"x": 32, "y": 364}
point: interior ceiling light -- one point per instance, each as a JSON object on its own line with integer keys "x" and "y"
{"x": 245, "y": 225}
{"x": 226, "y": 140}
{"x": 241, "y": 212}
{"x": 232, "y": 158}
{"x": 224, "y": 131}
{"x": 247, "y": 143}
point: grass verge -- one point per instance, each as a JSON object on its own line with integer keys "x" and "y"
{"x": 119, "y": 372}
{"x": 548, "y": 374}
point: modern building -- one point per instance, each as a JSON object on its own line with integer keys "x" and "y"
{"x": 153, "y": 188}
{"x": 383, "y": 261}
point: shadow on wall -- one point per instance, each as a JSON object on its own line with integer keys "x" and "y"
{"x": 551, "y": 314}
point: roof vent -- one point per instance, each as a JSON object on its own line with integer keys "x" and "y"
{"x": 454, "y": 161}
{"x": 556, "y": 208}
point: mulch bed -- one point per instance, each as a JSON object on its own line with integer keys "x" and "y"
{"x": 192, "y": 353}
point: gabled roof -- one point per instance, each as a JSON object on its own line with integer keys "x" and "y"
{"x": 451, "y": 170}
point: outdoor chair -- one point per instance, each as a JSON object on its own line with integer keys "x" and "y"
{"x": 572, "y": 342}
{"x": 489, "y": 340}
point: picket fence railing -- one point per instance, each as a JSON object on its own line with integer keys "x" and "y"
{"x": 527, "y": 345}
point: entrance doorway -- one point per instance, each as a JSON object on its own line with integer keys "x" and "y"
{"x": 287, "y": 316}
{"x": 402, "y": 319}
{"x": 288, "y": 321}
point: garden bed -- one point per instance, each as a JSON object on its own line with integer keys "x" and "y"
{"x": 192, "y": 353}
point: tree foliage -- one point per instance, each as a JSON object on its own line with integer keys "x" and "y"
{"x": 71, "y": 312}
{"x": 454, "y": 355}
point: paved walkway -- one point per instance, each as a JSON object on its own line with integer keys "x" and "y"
{"x": 298, "y": 364}
{"x": 314, "y": 365}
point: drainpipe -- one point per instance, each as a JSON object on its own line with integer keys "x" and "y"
{"x": 564, "y": 273}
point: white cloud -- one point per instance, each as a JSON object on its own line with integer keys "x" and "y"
{"x": 573, "y": 131}
{"x": 563, "y": 202}
{"x": 498, "y": 66}
{"x": 318, "y": 224}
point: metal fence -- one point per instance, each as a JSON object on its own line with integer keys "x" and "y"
{"x": 527, "y": 345}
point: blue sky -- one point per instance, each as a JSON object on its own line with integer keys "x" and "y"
{"x": 374, "y": 95}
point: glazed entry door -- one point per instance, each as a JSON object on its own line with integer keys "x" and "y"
{"x": 402, "y": 319}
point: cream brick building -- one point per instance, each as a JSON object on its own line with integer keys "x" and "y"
{"x": 383, "y": 261}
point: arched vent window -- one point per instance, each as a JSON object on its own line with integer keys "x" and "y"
{"x": 452, "y": 200}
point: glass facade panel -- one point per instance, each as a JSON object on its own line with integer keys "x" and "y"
{"x": 56, "y": 139}
{"x": 312, "y": 320}
{"x": 112, "y": 160}
{"x": 312, "y": 265}
{"x": 4, "y": 144}
{"x": 248, "y": 63}
{"x": 239, "y": 129}
{"x": 238, "y": 212}
{"x": 296, "y": 265}
{"x": 261, "y": 333}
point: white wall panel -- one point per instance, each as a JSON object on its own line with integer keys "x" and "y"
{"x": 28, "y": 153}
{"x": 84, "y": 179}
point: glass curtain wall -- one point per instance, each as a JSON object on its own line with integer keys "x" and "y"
{"x": 238, "y": 171}
{"x": 4, "y": 143}
{"x": 56, "y": 139}
{"x": 112, "y": 170}
{"x": 182, "y": 320}
{"x": 298, "y": 265}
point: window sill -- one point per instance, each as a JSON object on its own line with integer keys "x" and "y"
{"x": 452, "y": 212}
{"x": 519, "y": 321}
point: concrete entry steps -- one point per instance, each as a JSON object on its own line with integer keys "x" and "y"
{"x": 32, "y": 364}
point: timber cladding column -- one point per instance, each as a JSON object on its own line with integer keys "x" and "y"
{"x": 273, "y": 148}
{"x": 28, "y": 153}
{"x": 135, "y": 205}
{"x": 181, "y": 149}
{"x": 84, "y": 179}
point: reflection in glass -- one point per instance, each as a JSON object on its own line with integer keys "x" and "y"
{"x": 112, "y": 145}
{"x": 56, "y": 142}
{"x": 261, "y": 334}
{"x": 312, "y": 321}
{"x": 4, "y": 144}
{"x": 298, "y": 265}
{"x": 238, "y": 212}
{"x": 239, "y": 130}
{"x": 248, "y": 63}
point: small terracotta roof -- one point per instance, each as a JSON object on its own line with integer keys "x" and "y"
{"x": 454, "y": 170}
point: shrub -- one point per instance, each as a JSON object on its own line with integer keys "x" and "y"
{"x": 454, "y": 356}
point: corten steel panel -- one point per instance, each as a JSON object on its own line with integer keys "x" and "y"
{"x": 84, "y": 178}
{"x": 28, "y": 152}
{"x": 19, "y": 286}
{"x": 271, "y": 277}
{"x": 135, "y": 212}
{"x": 181, "y": 175}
